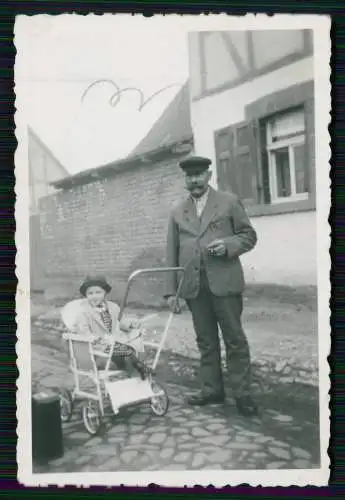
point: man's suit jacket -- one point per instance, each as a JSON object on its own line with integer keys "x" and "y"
{"x": 188, "y": 235}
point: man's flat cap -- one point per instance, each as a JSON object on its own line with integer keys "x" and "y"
{"x": 195, "y": 164}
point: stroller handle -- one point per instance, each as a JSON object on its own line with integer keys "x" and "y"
{"x": 153, "y": 270}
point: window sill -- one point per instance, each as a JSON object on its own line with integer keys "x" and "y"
{"x": 282, "y": 208}
{"x": 292, "y": 199}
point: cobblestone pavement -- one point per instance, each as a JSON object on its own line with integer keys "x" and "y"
{"x": 186, "y": 438}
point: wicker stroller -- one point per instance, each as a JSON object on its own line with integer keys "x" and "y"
{"x": 110, "y": 389}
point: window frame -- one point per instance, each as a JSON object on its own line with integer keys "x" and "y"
{"x": 257, "y": 113}
{"x": 297, "y": 139}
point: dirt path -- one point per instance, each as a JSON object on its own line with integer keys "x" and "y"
{"x": 282, "y": 334}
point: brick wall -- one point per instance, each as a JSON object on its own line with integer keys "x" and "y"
{"x": 111, "y": 226}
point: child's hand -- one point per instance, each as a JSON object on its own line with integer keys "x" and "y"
{"x": 130, "y": 324}
{"x": 125, "y": 326}
{"x": 99, "y": 344}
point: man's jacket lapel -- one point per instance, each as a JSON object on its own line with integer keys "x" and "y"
{"x": 209, "y": 211}
{"x": 190, "y": 215}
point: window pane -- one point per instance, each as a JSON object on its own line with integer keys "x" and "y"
{"x": 299, "y": 156}
{"x": 288, "y": 124}
{"x": 283, "y": 173}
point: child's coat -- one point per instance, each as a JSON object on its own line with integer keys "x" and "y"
{"x": 89, "y": 322}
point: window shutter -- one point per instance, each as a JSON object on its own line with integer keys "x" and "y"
{"x": 224, "y": 148}
{"x": 236, "y": 151}
{"x": 266, "y": 194}
{"x": 309, "y": 160}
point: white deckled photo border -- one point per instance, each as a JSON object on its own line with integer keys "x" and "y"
{"x": 322, "y": 52}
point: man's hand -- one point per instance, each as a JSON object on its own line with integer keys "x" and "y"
{"x": 217, "y": 248}
{"x": 174, "y": 304}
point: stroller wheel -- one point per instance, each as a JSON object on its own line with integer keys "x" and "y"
{"x": 66, "y": 405}
{"x": 91, "y": 415}
{"x": 159, "y": 403}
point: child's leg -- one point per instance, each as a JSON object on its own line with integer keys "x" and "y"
{"x": 128, "y": 354}
{"x": 119, "y": 362}
{"x": 124, "y": 364}
{"x": 130, "y": 368}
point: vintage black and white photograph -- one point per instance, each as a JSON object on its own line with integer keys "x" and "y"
{"x": 173, "y": 193}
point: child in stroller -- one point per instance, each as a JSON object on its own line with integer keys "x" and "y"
{"x": 98, "y": 317}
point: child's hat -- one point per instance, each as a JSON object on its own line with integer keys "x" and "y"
{"x": 94, "y": 281}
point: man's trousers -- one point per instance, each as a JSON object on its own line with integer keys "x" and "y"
{"x": 209, "y": 311}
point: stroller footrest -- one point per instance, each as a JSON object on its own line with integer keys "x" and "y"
{"x": 108, "y": 374}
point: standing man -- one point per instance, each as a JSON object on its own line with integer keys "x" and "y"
{"x": 207, "y": 233}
